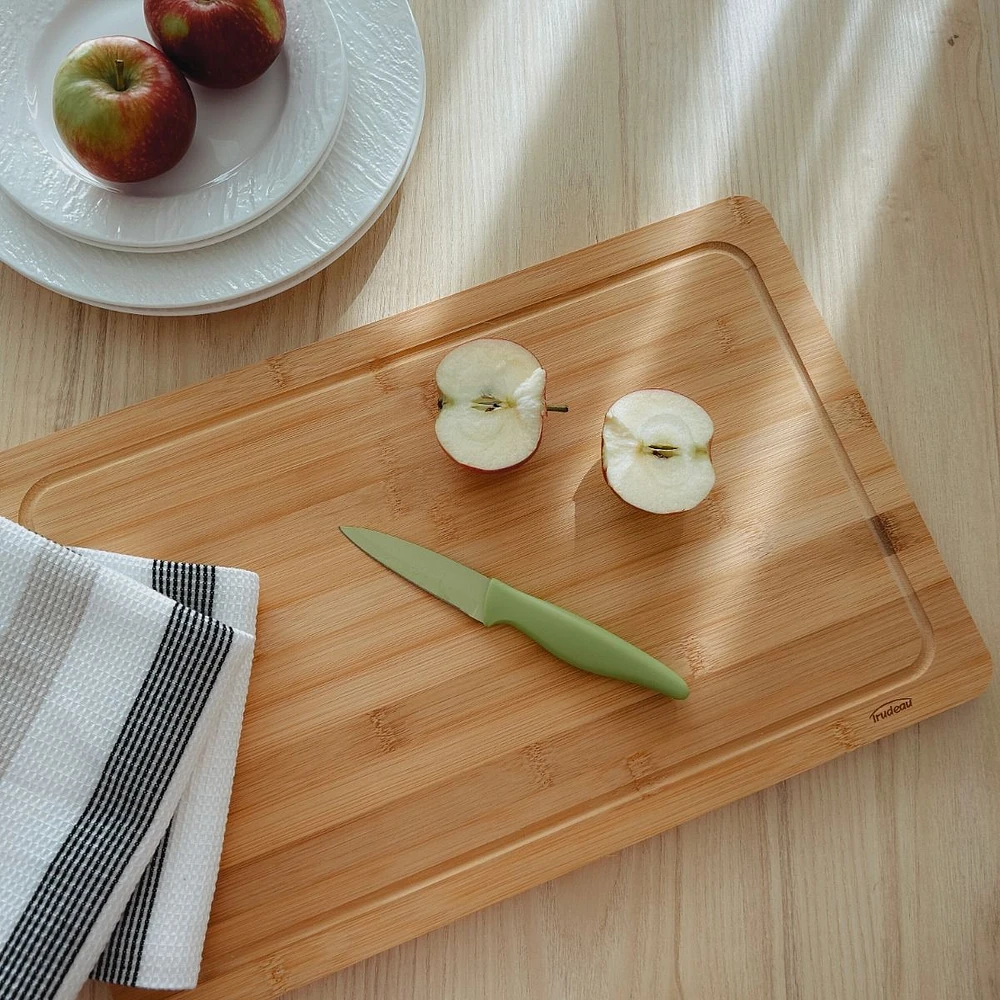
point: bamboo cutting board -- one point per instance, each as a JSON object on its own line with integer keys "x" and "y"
{"x": 401, "y": 765}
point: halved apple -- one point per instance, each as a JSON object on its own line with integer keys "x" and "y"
{"x": 655, "y": 451}
{"x": 491, "y": 404}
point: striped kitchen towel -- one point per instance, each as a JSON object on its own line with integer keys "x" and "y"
{"x": 122, "y": 685}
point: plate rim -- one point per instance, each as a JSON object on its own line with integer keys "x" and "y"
{"x": 254, "y": 298}
{"x": 57, "y": 275}
{"x": 231, "y": 233}
{"x": 327, "y": 62}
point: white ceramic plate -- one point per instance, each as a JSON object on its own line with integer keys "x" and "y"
{"x": 253, "y": 149}
{"x": 245, "y": 228}
{"x": 284, "y": 286}
{"x": 381, "y": 121}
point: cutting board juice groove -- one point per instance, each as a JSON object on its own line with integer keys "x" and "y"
{"x": 401, "y": 766}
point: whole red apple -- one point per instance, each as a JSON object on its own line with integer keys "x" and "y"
{"x": 123, "y": 109}
{"x": 219, "y": 43}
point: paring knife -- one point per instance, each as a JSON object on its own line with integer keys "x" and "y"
{"x": 569, "y": 637}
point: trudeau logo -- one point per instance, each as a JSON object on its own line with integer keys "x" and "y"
{"x": 891, "y": 708}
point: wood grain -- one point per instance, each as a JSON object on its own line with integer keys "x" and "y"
{"x": 401, "y": 767}
{"x": 871, "y": 131}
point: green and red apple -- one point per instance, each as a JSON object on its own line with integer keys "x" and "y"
{"x": 491, "y": 404}
{"x": 655, "y": 451}
{"x": 123, "y": 109}
{"x": 219, "y": 43}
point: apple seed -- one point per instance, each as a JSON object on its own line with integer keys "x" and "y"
{"x": 662, "y": 450}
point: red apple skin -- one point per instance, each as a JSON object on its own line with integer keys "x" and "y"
{"x": 219, "y": 43}
{"x": 124, "y": 135}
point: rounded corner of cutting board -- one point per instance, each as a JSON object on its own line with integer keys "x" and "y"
{"x": 411, "y": 731}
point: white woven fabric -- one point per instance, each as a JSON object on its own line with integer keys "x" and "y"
{"x": 120, "y": 711}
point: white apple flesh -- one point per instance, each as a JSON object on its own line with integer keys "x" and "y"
{"x": 491, "y": 404}
{"x": 655, "y": 451}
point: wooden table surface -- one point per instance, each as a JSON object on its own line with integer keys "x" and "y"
{"x": 870, "y": 128}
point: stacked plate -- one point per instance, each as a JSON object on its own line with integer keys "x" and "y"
{"x": 284, "y": 175}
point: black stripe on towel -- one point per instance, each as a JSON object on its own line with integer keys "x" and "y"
{"x": 67, "y": 902}
{"x": 193, "y": 586}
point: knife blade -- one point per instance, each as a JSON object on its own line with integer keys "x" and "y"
{"x": 575, "y": 640}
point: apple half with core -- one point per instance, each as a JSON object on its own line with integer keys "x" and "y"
{"x": 123, "y": 109}
{"x": 491, "y": 404}
{"x": 655, "y": 451}
{"x": 219, "y": 43}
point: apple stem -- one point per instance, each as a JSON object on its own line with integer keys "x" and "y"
{"x": 557, "y": 409}
{"x": 119, "y": 74}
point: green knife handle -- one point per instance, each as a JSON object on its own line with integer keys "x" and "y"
{"x": 578, "y": 641}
